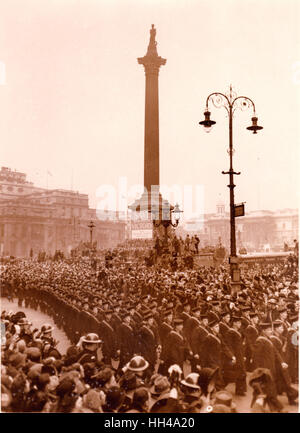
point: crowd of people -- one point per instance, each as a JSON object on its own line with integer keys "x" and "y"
{"x": 149, "y": 339}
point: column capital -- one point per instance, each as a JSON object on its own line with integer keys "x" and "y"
{"x": 152, "y": 61}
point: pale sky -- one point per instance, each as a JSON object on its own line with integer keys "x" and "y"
{"x": 73, "y": 96}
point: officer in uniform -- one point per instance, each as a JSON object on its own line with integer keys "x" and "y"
{"x": 264, "y": 356}
{"x": 108, "y": 336}
{"x": 191, "y": 324}
{"x": 148, "y": 340}
{"x": 251, "y": 334}
{"x": 177, "y": 350}
{"x": 127, "y": 340}
{"x": 235, "y": 343}
{"x": 199, "y": 334}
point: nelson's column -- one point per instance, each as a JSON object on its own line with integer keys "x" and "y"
{"x": 151, "y": 197}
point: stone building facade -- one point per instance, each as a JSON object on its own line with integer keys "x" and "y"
{"x": 257, "y": 230}
{"x": 38, "y": 219}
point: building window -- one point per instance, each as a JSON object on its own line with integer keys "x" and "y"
{"x": 283, "y": 226}
{"x": 20, "y": 189}
{"x": 9, "y": 188}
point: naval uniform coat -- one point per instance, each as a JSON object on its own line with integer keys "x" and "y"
{"x": 107, "y": 334}
{"x": 212, "y": 352}
{"x": 283, "y": 380}
{"x": 224, "y": 328}
{"x": 176, "y": 349}
{"x": 127, "y": 342}
{"x": 189, "y": 326}
{"x": 116, "y": 321}
{"x": 237, "y": 371}
{"x": 292, "y": 353}
{"x": 264, "y": 355}
{"x": 199, "y": 334}
{"x": 251, "y": 335}
{"x": 235, "y": 343}
{"x": 148, "y": 344}
{"x": 164, "y": 331}
{"x": 87, "y": 322}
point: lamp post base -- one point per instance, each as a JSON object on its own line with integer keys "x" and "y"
{"x": 235, "y": 287}
{"x": 235, "y": 274}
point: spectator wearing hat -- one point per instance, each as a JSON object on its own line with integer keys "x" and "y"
{"x": 223, "y": 403}
{"x": 26, "y": 333}
{"x": 19, "y": 390}
{"x": 37, "y": 397}
{"x": 91, "y": 349}
{"x": 140, "y": 401}
{"x": 139, "y": 366}
{"x": 207, "y": 381}
{"x": 114, "y": 399}
{"x": 66, "y": 396}
{"x": 91, "y": 402}
{"x": 129, "y": 382}
{"x": 191, "y": 390}
{"x": 235, "y": 344}
{"x": 161, "y": 394}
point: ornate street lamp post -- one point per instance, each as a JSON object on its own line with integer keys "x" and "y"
{"x": 162, "y": 216}
{"x": 91, "y": 226}
{"x": 231, "y": 102}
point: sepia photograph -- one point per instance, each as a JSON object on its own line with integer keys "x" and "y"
{"x": 149, "y": 243}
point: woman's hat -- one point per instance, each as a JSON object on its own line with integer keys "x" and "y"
{"x": 161, "y": 385}
{"x": 128, "y": 381}
{"x": 206, "y": 377}
{"x": 91, "y": 338}
{"x": 137, "y": 363}
{"x": 191, "y": 381}
{"x": 225, "y": 398}
{"x": 66, "y": 386}
{"x": 92, "y": 400}
{"x": 114, "y": 397}
{"x": 140, "y": 396}
{"x": 46, "y": 328}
